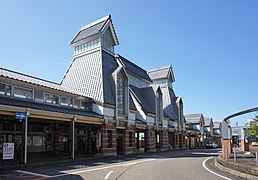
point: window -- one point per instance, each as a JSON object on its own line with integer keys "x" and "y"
{"x": 38, "y": 96}
{"x": 22, "y": 93}
{"x": 66, "y": 102}
{"x": 5, "y": 89}
{"x": 2, "y": 89}
{"x": 76, "y": 103}
{"x": 109, "y": 135}
{"x": 87, "y": 105}
{"x": 51, "y": 98}
{"x": 121, "y": 94}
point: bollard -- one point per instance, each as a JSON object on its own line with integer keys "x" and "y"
{"x": 256, "y": 155}
{"x": 235, "y": 158}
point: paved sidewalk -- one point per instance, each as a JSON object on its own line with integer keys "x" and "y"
{"x": 245, "y": 166}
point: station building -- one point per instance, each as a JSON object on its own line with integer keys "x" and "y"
{"x": 104, "y": 105}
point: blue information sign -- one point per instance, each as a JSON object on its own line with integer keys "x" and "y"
{"x": 20, "y": 115}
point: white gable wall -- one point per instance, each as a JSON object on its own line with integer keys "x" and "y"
{"x": 137, "y": 82}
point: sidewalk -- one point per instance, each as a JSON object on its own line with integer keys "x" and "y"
{"x": 244, "y": 167}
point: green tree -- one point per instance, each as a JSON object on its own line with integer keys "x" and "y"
{"x": 253, "y": 128}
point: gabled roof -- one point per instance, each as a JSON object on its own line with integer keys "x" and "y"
{"x": 143, "y": 101}
{"x": 134, "y": 69}
{"x": 206, "y": 130}
{"x": 96, "y": 27}
{"x": 217, "y": 125}
{"x": 207, "y": 121}
{"x": 131, "y": 103}
{"x": 161, "y": 73}
{"x": 169, "y": 102}
{"x": 36, "y": 81}
{"x": 216, "y": 132}
{"x": 193, "y": 128}
{"x": 194, "y": 118}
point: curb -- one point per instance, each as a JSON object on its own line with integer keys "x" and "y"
{"x": 234, "y": 172}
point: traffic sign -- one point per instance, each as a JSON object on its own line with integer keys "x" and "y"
{"x": 21, "y": 116}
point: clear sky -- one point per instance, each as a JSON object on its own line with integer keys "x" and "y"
{"x": 212, "y": 45}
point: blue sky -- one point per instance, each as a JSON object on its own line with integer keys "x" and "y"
{"x": 212, "y": 45}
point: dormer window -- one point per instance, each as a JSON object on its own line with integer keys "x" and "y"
{"x": 122, "y": 95}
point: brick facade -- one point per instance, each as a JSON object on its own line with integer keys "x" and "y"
{"x": 129, "y": 147}
{"x": 150, "y": 135}
{"x": 164, "y": 145}
{"x": 106, "y": 149}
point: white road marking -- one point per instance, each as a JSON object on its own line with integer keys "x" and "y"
{"x": 107, "y": 167}
{"x": 86, "y": 170}
{"x": 204, "y": 166}
{"x": 108, "y": 174}
{"x": 32, "y": 173}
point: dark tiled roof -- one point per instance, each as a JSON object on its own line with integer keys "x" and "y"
{"x": 134, "y": 69}
{"x": 206, "y": 130}
{"x": 193, "y": 128}
{"x": 141, "y": 121}
{"x": 93, "y": 29}
{"x": 109, "y": 65}
{"x": 90, "y": 31}
{"x": 46, "y": 107}
{"x": 169, "y": 103}
{"x": 149, "y": 96}
{"x": 144, "y": 103}
{"x": 35, "y": 81}
{"x": 131, "y": 103}
{"x": 215, "y": 133}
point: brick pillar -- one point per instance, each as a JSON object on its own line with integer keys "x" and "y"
{"x": 226, "y": 148}
{"x": 150, "y": 142}
{"x": 129, "y": 142}
{"x": 164, "y": 140}
{"x": 108, "y": 146}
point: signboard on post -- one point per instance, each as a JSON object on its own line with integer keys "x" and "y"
{"x": 21, "y": 116}
{"x": 8, "y": 151}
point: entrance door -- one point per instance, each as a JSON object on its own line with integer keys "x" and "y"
{"x": 120, "y": 142}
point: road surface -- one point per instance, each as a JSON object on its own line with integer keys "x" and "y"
{"x": 197, "y": 164}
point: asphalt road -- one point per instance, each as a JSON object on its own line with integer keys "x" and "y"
{"x": 190, "y": 165}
